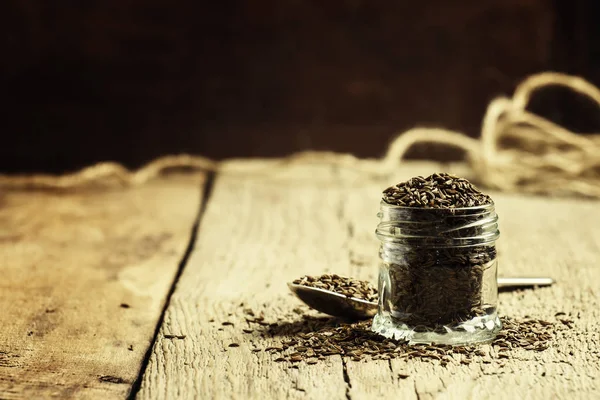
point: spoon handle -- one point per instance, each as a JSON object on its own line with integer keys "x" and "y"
{"x": 513, "y": 282}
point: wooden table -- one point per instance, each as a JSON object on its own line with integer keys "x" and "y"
{"x": 109, "y": 293}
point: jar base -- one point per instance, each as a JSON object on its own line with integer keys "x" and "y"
{"x": 477, "y": 330}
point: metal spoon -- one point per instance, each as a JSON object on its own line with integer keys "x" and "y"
{"x": 338, "y": 305}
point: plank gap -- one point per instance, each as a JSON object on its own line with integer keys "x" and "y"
{"x": 205, "y": 198}
{"x": 346, "y": 378}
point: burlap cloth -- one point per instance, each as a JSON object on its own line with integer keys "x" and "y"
{"x": 542, "y": 157}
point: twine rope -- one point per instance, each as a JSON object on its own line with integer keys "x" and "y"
{"x": 543, "y": 157}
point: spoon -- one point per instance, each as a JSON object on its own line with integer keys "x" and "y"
{"x": 338, "y": 305}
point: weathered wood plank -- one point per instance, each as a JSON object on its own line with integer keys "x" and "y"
{"x": 259, "y": 233}
{"x": 83, "y": 281}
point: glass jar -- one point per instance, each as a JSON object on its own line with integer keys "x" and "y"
{"x": 438, "y": 274}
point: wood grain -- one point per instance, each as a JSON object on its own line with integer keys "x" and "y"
{"x": 84, "y": 278}
{"x": 259, "y": 233}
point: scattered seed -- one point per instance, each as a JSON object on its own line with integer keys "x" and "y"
{"x": 314, "y": 339}
{"x": 168, "y": 336}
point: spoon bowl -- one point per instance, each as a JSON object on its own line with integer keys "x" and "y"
{"x": 332, "y": 303}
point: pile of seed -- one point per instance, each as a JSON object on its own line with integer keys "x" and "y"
{"x": 440, "y": 190}
{"x": 347, "y": 286}
{"x": 315, "y": 339}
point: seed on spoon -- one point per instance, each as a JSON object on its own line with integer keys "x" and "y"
{"x": 346, "y": 286}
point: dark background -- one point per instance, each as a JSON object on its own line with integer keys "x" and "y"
{"x": 129, "y": 80}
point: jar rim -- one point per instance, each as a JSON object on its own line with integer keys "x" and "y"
{"x": 486, "y": 206}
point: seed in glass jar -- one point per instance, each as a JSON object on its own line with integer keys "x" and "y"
{"x": 438, "y": 287}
